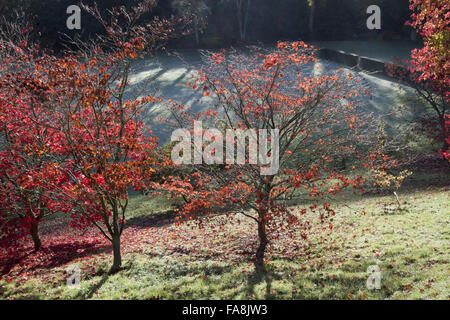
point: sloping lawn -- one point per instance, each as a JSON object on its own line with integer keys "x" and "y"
{"x": 214, "y": 261}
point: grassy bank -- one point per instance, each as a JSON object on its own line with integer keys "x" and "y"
{"x": 163, "y": 261}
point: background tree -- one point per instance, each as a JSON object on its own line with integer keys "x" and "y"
{"x": 428, "y": 71}
{"x": 28, "y": 167}
{"x": 270, "y": 20}
{"x": 30, "y": 146}
{"x": 318, "y": 119}
{"x": 446, "y": 153}
{"x": 243, "y": 10}
{"x": 110, "y": 148}
{"x": 312, "y": 12}
{"x": 200, "y": 12}
{"x": 10, "y": 6}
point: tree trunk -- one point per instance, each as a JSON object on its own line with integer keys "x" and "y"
{"x": 413, "y": 35}
{"x": 398, "y": 200}
{"x": 117, "y": 263}
{"x": 260, "y": 253}
{"x": 445, "y": 145}
{"x": 247, "y": 13}
{"x": 239, "y": 17}
{"x": 311, "y": 19}
{"x": 196, "y": 32}
{"x": 35, "y": 236}
{"x": 243, "y": 16}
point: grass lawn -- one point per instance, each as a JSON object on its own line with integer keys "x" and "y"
{"x": 376, "y": 49}
{"x": 163, "y": 261}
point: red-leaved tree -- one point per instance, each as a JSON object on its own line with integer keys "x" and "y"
{"x": 428, "y": 70}
{"x": 96, "y": 120}
{"x": 30, "y": 146}
{"x": 110, "y": 148}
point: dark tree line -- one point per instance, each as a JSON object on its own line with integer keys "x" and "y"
{"x": 219, "y": 23}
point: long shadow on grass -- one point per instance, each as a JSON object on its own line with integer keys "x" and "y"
{"x": 258, "y": 278}
{"x": 53, "y": 256}
{"x": 155, "y": 220}
{"x": 162, "y": 219}
{"x": 11, "y": 263}
{"x": 93, "y": 289}
{"x": 179, "y": 271}
{"x": 60, "y": 254}
{"x": 105, "y": 276}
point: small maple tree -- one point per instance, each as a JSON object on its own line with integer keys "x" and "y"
{"x": 28, "y": 168}
{"x": 428, "y": 70}
{"x": 95, "y": 121}
{"x": 30, "y": 148}
{"x": 111, "y": 150}
{"x": 319, "y": 120}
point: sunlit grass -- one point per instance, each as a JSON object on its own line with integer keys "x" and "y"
{"x": 411, "y": 249}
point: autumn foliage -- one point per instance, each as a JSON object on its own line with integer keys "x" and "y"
{"x": 73, "y": 142}
{"x": 320, "y": 120}
{"x": 431, "y": 19}
{"x": 428, "y": 70}
{"x": 30, "y": 144}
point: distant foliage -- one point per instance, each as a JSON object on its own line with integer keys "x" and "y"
{"x": 431, "y": 19}
{"x": 221, "y": 23}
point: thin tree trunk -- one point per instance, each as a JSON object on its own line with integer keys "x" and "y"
{"x": 398, "y": 200}
{"x": 263, "y": 210}
{"x": 117, "y": 263}
{"x": 413, "y": 35}
{"x": 35, "y": 236}
{"x": 446, "y": 145}
{"x": 247, "y": 13}
{"x": 239, "y": 16}
{"x": 262, "y": 235}
{"x": 260, "y": 252}
{"x": 196, "y": 32}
